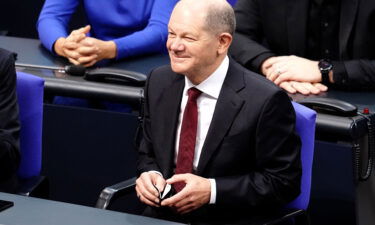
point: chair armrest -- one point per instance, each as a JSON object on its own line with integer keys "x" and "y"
{"x": 37, "y": 186}
{"x": 113, "y": 192}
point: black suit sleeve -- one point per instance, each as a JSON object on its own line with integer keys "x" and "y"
{"x": 247, "y": 47}
{"x": 146, "y": 156}
{"x": 9, "y": 124}
{"x": 276, "y": 177}
{"x": 357, "y": 74}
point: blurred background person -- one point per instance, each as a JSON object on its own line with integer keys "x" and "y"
{"x": 306, "y": 45}
{"x": 9, "y": 123}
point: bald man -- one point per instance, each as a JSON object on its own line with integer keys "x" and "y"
{"x": 230, "y": 153}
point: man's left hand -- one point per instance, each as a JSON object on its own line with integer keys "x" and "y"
{"x": 292, "y": 68}
{"x": 195, "y": 194}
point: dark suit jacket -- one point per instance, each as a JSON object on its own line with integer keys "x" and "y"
{"x": 251, "y": 148}
{"x": 279, "y": 27}
{"x": 9, "y": 124}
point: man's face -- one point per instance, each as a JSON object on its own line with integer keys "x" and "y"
{"x": 192, "y": 48}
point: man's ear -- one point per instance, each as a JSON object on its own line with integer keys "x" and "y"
{"x": 225, "y": 39}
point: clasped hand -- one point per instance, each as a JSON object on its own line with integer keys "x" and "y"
{"x": 294, "y": 74}
{"x": 80, "y": 49}
{"x": 195, "y": 194}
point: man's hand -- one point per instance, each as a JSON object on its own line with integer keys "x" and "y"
{"x": 266, "y": 66}
{"x": 303, "y": 87}
{"x": 195, "y": 194}
{"x": 93, "y": 50}
{"x": 294, "y": 74}
{"x": 145, "y": 187}
{"x": 291, "y": 68}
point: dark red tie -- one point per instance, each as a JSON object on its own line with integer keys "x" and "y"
{"x": 188, "y": 136}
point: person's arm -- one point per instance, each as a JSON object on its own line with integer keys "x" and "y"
{"x": 276, "y": 179}
{"x": 146, "y": 157}
{"x": 351, "y": 74}
{"x": 149, "y": 175}
{"x": 357, "y": 74}
{"x": 153, "y": 37}
{"x": 246, "y": 47}
{"x": 54, "y": 20}
{"x": 9, "y": 124}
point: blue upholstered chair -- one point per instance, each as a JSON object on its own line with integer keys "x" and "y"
{"x": 294, "y": 211}
{"x": 232, "y": 2}
{"x": 305, "y": 127}
{"x": 30, "y": 91}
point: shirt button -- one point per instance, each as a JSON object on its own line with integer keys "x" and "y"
{"x": 326, "y": 51}
{"x": 325, "y": 24}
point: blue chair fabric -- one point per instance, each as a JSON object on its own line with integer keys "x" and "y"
{"x": 232, "y": 2}
{"x": 30, "y": 90}
{"x": 305, "y": 127}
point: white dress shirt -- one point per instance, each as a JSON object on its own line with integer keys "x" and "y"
{"x": 206, "y": 104}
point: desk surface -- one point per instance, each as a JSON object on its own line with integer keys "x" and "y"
{"x": 30, "y": 51}
{"x": 34, "y": 211}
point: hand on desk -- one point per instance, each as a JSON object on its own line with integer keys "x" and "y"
{"x": 80, "y": 49}
{"x": 195, "y": 194}
{"x": 294, "y": 74}
{"x": 93, "y": 50}
{"x": 304, "y": 88}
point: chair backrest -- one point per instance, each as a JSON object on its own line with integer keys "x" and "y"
{"x": 305, "y": 127}
{"x": 232, "y": 2}
{"x": 30, "y": 90}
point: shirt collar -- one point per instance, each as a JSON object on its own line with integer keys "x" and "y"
{"x": 212, "y": 85}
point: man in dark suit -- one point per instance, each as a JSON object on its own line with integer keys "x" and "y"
{"x": 9, "y": 124}
{"x": 222, "y": 136}
{"x": 299, "y": 44}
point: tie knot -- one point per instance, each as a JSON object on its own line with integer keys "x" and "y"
{"x": 193, "y": 93}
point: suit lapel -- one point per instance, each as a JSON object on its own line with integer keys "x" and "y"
{"x": 169, "y": 112}
{"x": 227, "y": 107}
{"x": 297, "y": 14}
{"x": 349, "y": 10}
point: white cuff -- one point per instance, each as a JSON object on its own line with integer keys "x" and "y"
{"x": 154, "y": 171}
{"x": 213, "y": 191}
